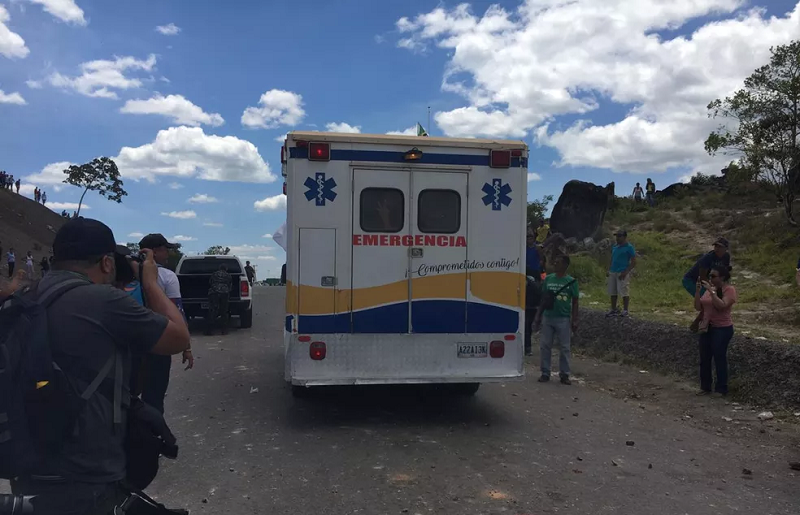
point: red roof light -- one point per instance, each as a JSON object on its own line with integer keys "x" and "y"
{"x": 500, "y": 158}
{"x": 319, "y": 152}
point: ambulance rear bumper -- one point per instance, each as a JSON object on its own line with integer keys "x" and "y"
{"x": 365, "y": 359}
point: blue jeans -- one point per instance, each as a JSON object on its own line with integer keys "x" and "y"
{"x": 552, "y": 327}
{"x": 714, "y": 346}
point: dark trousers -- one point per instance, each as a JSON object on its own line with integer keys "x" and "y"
{"x": 714, "y": 346}
{"x": 71, "y": 497}
{"x": 155, "y": 380}
{"x": 217, "y": 308}
{"x": 530, "y": 316}
{"x": 11, "y": 269}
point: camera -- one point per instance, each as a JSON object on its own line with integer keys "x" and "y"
{"x": 15, "y": 504}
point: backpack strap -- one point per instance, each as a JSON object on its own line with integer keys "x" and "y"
{"x": 47, "y": 297}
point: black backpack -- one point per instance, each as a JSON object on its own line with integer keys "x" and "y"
{"x": 39, "y": 404}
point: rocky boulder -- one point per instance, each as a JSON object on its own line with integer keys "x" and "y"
{"x": 581, "y": 209}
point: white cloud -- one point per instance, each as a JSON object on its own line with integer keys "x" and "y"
{"x": 27, "y": 189}
{"x": 181, "y": 215}
{"x": 518, "y": 71}
{"x": 212, "y": 224}
{"x": 189, "y": 152}
{"x": 282, "y": 138}
{"x": 343, "y": 127}
{"x": 268, "y": 235}
{"x": 175, "y": 185}
{"x": 276, "y": 107}
{"x": 534, "y": 177}
{"x": 168, "y": 30}
{"x": 66, "y": 206}
{"x": 275, "y": 203}
{"x": 64, "y": 10}
{"x": 411, "y": 131}
{"x": 136, "y": 235}
{"x": 11, "y": 44}
{"x": 11, "y": 98}
{"x": 181, "y": 237}
{"x": 199, "y": 198}
{"x": 177, "y": 107}
{"x": 34, "y": 84}
{"x": 50, "y": 174}
{"x": 99, "y": 78}
{"x": 267, "y": 258}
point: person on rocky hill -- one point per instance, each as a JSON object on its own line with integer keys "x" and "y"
{"x": 716, "y": 298}
{"x": 44, "y": 198}
{"x": 650, "y": 192}
{"x": 638, "y": 193}
{"x": 29, "y": 264}
{"x": 720, "y": 256}
{"x": 11, "y": 259}
{"x": 623, "y": 260}
{"x": 17, "y": 184}
{"x": 542, "y": 232}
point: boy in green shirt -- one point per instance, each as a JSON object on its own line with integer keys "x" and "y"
{"x": 560, "y": 320}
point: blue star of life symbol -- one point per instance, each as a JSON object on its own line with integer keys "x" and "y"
{"x": 320, "y": 189}
{"x": 496, "y": 194}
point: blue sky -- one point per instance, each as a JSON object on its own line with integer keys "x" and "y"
{"x": 601, "y": 90}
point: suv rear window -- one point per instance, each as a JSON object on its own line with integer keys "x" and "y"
{"x": 209, "y": 266}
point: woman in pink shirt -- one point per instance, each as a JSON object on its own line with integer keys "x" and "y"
{"x": 718, "y": 300}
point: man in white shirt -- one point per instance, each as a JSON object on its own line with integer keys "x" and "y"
{"x": 157, "y": 368}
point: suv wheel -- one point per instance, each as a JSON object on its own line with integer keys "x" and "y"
{"x": 246, "y": 319}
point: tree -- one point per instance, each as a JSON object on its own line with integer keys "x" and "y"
{"x": 767, "y": 111}
{"x": 174, "y": 255}
{"x": 217, "y": 250}
{"x": 100, "y": 175}
{"x": 537, "y": 209}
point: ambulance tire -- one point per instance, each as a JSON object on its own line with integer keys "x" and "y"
{"x": 300, "y": 392}
{"x": 467, "y": 389}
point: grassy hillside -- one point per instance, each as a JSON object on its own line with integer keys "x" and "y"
{"x": 670, "y": 237}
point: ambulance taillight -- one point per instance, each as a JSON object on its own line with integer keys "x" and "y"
{"x": 500, "y": 158}
{"x": 497, "y": 349}
{"x": 319, "y": 152}
{"x": 317, "y": 351}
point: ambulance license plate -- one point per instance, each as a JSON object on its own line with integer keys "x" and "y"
{"x": 472, "y": 350}
{"x": 204, "y": 305}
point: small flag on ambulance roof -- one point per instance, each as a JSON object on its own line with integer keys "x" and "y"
{"x": 421, "y": 130}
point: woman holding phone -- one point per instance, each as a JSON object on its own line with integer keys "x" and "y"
{"x": 717, "y": 302}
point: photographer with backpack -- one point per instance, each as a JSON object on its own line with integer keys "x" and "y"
{"x": 65, "y": 408}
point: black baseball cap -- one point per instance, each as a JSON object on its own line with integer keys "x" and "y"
{"x": 153, "y": 241}
{"x": 84, "y": 238}
{"x": 621, "y": 232}
{"x": 722, "y": 242}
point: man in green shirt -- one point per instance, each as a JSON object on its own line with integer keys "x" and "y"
{"x": 560, "y": 319}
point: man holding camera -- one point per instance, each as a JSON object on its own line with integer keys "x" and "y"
{"x": 94, "y": 324}
{"x": 156, "y": 368}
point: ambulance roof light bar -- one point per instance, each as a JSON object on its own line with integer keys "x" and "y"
{"x": 500, "y": 158}
{"x": 319, "y": 151}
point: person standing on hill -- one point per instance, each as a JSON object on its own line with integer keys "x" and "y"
{"x": 45, "y": 265}
{"x": 29, "y": 264}
{"x": 542, "y": 232}
{"x": 623, "y": 260}
{"x": 12, "y": 261}
{"x": 533, "y": 270}
{"x": 36, "y": 194}
{"x": 18, "y": 185}
{"x": 650, "y": 189}
{"x": 716, "y": 298}
{"x": 557, "y": 317}
{"x": 44, "y": 198}
{"x": 10, "y": 182}
{"x": 638, "y": 193}
{"x": 720, "y": 256}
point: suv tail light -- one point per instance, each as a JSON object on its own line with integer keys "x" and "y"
{"x": 497, "y": 349}
{"x": 317, "y": 351}
{"x": 245, "y": 288}
{"x": 500, "y": 158}
{"x": 319, "y": 152}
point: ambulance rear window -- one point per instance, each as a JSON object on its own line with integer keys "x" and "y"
{"x": 382, "y": 210}
{"x": 439, "y": 211}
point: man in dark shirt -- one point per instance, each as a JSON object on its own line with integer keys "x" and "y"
{"x": 89, "y": 324}
{"x": 533, "y": 271}
{"x": 251, "y": 273}
{"x": 699, "y": 272}
{"x": 218, "y": 296}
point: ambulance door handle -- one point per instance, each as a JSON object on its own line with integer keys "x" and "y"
{"x": 416, "y": 252}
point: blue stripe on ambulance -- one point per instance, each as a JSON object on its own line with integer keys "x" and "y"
{"x": 398, "y": 157}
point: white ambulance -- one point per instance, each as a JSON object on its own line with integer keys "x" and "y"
{"x": 405, "y": 259}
